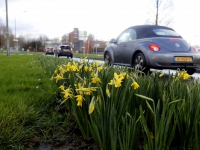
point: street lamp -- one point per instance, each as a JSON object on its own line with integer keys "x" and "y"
{"x": 7, "y": 33}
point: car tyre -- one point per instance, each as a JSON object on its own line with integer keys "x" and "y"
{"x": 107, "y": 58}
{"x": 139, "y": 63}
{"x": 191, "y": 71}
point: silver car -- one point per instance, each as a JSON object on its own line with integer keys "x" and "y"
{"x": 150, "y": 46}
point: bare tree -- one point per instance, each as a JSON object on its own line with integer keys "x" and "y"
{"x": 2, "y": 26}
{"x": 160, "y": 13}
{"x": 65, "y": 38}
{"x": 91, "y": 37}
{"x": 43, "y": 39}
{"x": 3, "y": 35}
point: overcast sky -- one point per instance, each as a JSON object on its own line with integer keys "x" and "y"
{"x": 105, "y": 19}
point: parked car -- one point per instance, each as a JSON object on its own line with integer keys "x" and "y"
{"x": 64, "y": 50}
{"x": 150, "y": 46}
{"x": 49, "y": 50}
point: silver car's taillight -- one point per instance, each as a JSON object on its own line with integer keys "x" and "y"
{"x": 154, "y": 47}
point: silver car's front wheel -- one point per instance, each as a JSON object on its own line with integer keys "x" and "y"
{"x": 107, "y": 58}
{"x": 139, "y": 63}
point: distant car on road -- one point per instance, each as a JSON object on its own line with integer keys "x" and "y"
{"x": 150, "y": 46}
{"x": 49, "y": 50}
{"x": 197, "y": 47}
{"x": 64, "y": 50}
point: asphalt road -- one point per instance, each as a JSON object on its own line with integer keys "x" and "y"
{"x": 164, "y": 71}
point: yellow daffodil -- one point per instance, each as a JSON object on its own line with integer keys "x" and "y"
{"x": 79, "y": 88}
{"x": 161, "y": 75}
{"x": 80, "y": 99}
{"x": 127, "y": 76}
{"x": 135, "y": 85}
{"x": 92, "y": 74}
{"x": 82, "y": 90}
{"x": 60, "y": 68}
{"x": 80, "y": 67}
{"x": 91, "y": 106}
{"x": 58, "y": 77}
{"x": 68, "y": 93}
{"x": 95, "y": 64}
{"x": 186, "y": 76}
{"x": 74, "y": 68}
{"x": 122, "y": 75}
{"x": 96, "y": 80}
{"x": 56, "y": 71}
{"x": 181, "y": 74}
{"x": 84, "y": 60}
{"x": 99, "y": 68}
{"x": 90, "y": 68}
{"x": 62, "y": 87}
{"x": 116, "y": 80}
{"x": 85, "y": 81}
{"x": 88, "y": 93}
{"x": 176, "y": 79}
{"x": 86, "y": 68}
{"x": 108, "y": 92}
{"x": 68, "y": 67}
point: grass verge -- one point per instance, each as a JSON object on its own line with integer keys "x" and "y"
{"x": 28, "y": 103}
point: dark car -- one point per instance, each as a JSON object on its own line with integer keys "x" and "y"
{"x": 49, "y": 50}
{"x": 64, "y": 50}
{"x": 150, "y": 46}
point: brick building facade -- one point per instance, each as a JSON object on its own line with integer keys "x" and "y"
{"x": 81, "y": 45}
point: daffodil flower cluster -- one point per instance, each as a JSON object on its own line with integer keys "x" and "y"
{"x": 182, "y": 74}
{"x": 82, "y": 81}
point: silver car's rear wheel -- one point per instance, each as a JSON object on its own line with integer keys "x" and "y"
{"x": 139, "y": 63}
{"x": 191, "y": 71}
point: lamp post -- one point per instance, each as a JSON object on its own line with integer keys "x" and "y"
{"x": 7, "y": 33}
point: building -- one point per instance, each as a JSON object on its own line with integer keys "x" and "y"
{"x": 80, "y": 43}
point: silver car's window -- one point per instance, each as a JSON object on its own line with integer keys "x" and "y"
{"x": 133, "y": 35}
{"x": 124, "y": 37}
{"x": 165, "y": 32}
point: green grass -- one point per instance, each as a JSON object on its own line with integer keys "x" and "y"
{"x": 89, "y": 56}
{"x": 26, "y": 101}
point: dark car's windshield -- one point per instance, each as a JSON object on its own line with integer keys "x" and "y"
{"x": 165, "y": 32}
{"x": 65, "y": 47}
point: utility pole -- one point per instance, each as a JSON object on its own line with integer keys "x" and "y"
{"x": 7, "y": 32}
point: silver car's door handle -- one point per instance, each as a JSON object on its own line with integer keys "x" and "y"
{"x": 124, "y": 45}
